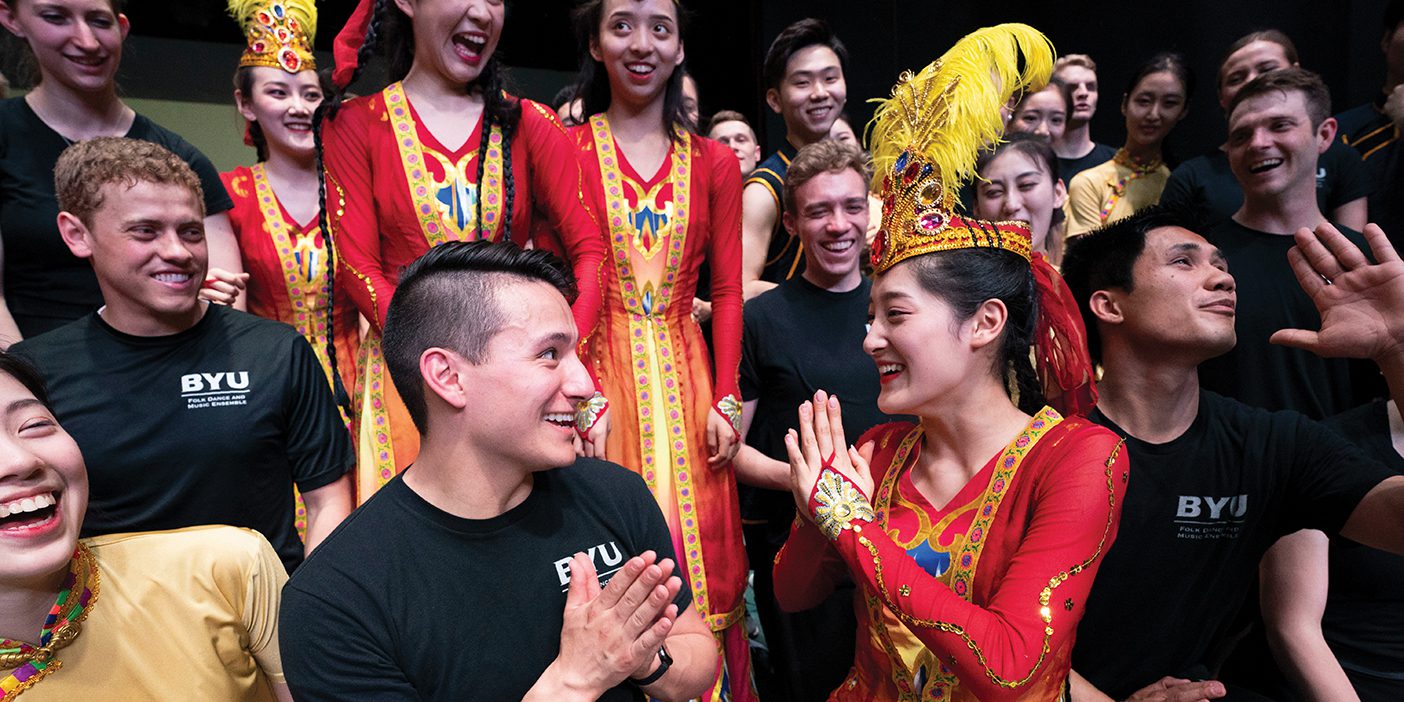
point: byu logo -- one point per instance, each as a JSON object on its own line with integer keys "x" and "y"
{"x": 1193, "y": 506}
{"x": 605, "y": 557}
{"x": 214, "y": 382}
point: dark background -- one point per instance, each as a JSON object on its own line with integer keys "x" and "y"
{"x": 186, "y": 50}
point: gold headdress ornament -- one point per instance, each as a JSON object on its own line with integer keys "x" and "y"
{"x": 279, "y": 33}
{"x": 925, "y": 140}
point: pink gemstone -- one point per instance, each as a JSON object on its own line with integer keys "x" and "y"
{"x": 932, "y": 220}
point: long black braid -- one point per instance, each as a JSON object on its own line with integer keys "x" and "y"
{"x": 327, "y": 110}
{"x": 504, "y": 111}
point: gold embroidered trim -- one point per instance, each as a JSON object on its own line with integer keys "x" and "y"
{"x": 840, "y": 504}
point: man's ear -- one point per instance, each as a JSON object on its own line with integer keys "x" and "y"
{"x": 75, "y": 235}
{"x": 1325, "y": 134}
{"x": 1106, "y": 307}
{"x": 772, "y": 98}
{"x": 443, "y": 374}
{"x": 988, "y": 323}
{"x": 8, "y": 20}
{"x": 788, "y": 219}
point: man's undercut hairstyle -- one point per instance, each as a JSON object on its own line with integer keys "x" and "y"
{"x": 84, "y": 168}
{"x": 1314, "y": 91}
{"x": 724, "y": 116}
{"x": 1075, "y": 60}
{"x": 824, "y": 156}
{"x": 795, "y": 38}
{"x": 24, "y": 372}
{"x": 448, "y": 298}
{"x": 1272, "y": 36}
{"x": 1105, "y": 259}
{"x": 1393, "y": 15}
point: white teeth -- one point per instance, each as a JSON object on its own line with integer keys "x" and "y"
{"x": 561, "y": 418}
{"x": 886, "y": 368}
{"x": 1265, "y": 164}
{"x": 838, "y": 246}
{"x": 172, "y": 277}
{"x": 28, "y": 504}
{"x": 640, "y": 69}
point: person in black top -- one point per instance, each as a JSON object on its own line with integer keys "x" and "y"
{"x": 188, "y": 413}
{"x": 1075, "y": 148}
{"x": 489, "y": 552}
{"x": 804, "y": 81}
{"x": 1278, "y": 126}
{"x": 1216, "y": 482}
{"x": 1335, "y": 608}
{"x": 1372, "y": 129}
{"x": 805, "y": 334}
{"x": 77, "y": 47}
{"x": 1206, "y": 185}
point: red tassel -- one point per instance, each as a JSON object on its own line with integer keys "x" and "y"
{"x": 348, "y": 43}
{"x": 1064, "y": 363}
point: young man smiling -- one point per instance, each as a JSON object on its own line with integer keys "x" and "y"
{"x": 805, "y": 334}
{"x": 188, "y": 413}
{"x": 489, "y": 552}
{"x": 1216, "y": 482}
{"x": 1279, "y": 124}
{"x": 804, "y": 79}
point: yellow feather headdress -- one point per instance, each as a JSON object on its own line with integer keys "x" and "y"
{"x": 926, "y": 138}
{"x": 279, "y": 33}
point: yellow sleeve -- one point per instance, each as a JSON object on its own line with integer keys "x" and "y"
{"x": 263, "y": 592}
{"x": 1084, "y": 204}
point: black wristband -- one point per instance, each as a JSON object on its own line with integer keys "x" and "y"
{"x": 664, "y": 662}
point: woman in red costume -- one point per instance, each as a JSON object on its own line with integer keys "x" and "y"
{"x": 404, "y": 168}
{"x": 275, "y": 200}
{"x": 671, "y": 200}
{"x": 974, "y": 535}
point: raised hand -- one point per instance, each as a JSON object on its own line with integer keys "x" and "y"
{"x": 1361, "y": 303}
{"x": 819, "y": 445}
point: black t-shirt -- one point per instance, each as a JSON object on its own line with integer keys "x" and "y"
{"x": 1206, "y": 186}
{"x": 212, "y": 425}
{"x": 1069, "y": 167}
{"x": 796, "y": 339}
{"x": 46, "y": 286}
{"x": 1199, "y": 513}
{"x": 1270, "y": 298}
{"x": 405, "y": 601}
{"x": 1364, "y": 618}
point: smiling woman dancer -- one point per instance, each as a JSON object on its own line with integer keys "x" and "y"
{"x": 672, "y": 200}
{"x": 77, "y": 47}
{"x": 275, "y": 201}
{"x": 441, "y": 154}
{"x": 974, "y": 535}
{"x": 105, "y": 617}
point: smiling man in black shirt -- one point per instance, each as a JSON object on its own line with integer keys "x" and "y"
{"x": 1216, "y": 482}
{"x": 187, "y": 413}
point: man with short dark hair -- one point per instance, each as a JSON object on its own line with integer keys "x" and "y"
{"x": 1205, "y": 184}
{"x": 1279, "y": 124}
{"x": 805, "y": 334}
{"x": 188, "y": 413}
{"x": 489, "y": 552}
{"x": 1216, "y": 482}
{"x": 1076, "y": 150}
{"x": 804, "y": 84}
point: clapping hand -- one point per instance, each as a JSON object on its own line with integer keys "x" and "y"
{"x": 820, "y": 444}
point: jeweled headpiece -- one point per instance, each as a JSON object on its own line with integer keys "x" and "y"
{"x": 279, "y": 33}
{"x": 926, "y": 138}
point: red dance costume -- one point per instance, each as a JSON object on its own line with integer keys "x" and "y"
{"x": 653, "y": 363}
{"x": 287, "y": 266}
{"x": 978, "y": 599}
{"x": 405, "y": 192}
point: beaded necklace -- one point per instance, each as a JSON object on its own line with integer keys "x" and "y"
{"x": 1119, "y": 187}
{"x": 27, "y": 663}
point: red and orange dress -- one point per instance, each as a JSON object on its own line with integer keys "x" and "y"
{"x": 654, "y": 366}
{"x": 405, "y": 192}
{"x": 288, "y": 265}
{"x": 978, "y": 599}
